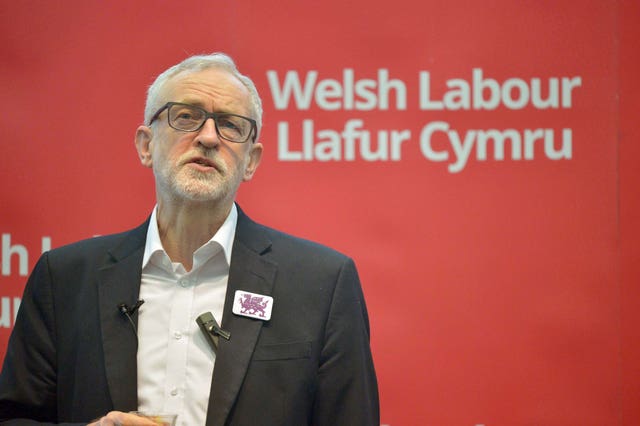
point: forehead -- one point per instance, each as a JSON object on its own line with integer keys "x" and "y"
{"x": 213, "y": 89}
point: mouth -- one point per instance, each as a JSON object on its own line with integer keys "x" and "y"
{"x": 202, "y": 163}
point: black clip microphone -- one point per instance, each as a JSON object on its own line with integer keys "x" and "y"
{"x": 128, "y": 311}
{"x": 211, "y": 330}
{"x": 123, "y": 308}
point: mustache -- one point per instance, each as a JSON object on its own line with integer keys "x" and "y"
{"x": 204, "y": 158}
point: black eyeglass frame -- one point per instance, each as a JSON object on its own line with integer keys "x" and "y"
{"x": 207, "y": 115}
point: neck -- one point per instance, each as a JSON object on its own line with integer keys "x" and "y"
{"x": 186, "y": 226}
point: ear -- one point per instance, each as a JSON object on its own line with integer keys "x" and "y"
{"x": 255, "y": 155}
{"x": 143, "y": 145}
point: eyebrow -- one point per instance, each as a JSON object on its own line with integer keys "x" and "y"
{"x": 191, "y": 102}
{"x": 200, "y": 104}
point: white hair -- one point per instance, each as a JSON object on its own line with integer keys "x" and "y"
{"x": 199, "y": 63}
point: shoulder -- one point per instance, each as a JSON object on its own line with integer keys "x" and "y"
{"x": 283, "y": 246}
{"x": 101, "y": 247}
{"x": 284, "y": 241}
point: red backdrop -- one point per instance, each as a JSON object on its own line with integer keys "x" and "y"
{"x": 477, "y": 159}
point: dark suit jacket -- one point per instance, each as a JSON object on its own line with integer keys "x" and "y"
{"x": 72, "y": 354}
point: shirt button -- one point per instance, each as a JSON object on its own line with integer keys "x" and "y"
{"x": 174, "y": 392}
{"x": 177, "y": 335}
{"x": 183, "y": 282}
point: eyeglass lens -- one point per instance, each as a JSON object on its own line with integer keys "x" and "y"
{"x": 189, "y": 118}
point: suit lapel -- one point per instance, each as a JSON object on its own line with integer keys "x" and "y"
{"x": 251, "y": 272}
{"x": 119, "y": 282}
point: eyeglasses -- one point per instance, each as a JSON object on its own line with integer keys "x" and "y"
{"x": 190, "y": 118}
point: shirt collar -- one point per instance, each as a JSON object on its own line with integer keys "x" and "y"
{"x": 224, "y": 237}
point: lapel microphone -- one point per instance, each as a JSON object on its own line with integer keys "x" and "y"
{"x": 127, "y": 311}
{"x": 211, "y": 330}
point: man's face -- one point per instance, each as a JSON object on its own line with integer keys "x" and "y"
{"x": 199, "y": 166}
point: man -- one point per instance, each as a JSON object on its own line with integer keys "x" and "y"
{"x": 292, "y": 347}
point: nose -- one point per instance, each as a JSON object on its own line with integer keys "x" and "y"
{"x": 207, "y": 135}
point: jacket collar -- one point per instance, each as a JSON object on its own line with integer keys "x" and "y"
{"x": 251, "y": 272}
{"x": 119, "y": 283}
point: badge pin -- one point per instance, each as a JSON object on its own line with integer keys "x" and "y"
{"x": 252, "y": 305}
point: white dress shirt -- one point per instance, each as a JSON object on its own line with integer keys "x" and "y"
{"x": 175, "y": 362}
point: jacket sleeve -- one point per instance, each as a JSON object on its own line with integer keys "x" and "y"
{"x": 28, "y": 379}
{"x": 347, "y": 387}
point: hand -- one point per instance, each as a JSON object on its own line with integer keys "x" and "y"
{"x": 118, "y": 418}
